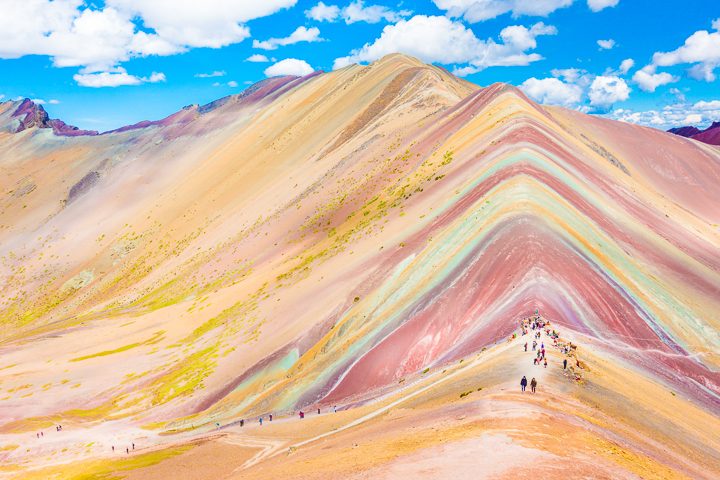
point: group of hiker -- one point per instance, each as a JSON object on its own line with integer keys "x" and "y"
{"x": 524, "y": 382}
{"x": 127, "y": 449}
{"x": 58, "y": 428}
{"x": 301, "y": 414}
{"x": 535, "y": 325}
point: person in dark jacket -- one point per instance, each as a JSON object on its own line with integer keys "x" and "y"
{"x": 523, "y": 383}
{"x": 533, "y": 384}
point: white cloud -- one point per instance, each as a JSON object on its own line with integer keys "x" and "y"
{"x": 648, "y": 80}
{"x": 552, "y": 91}
{"x": 678, "y": 94}
{"x": 702, "y": 49}
{"x": 41, "y": 101}
{"x": 116, "y": 78}
{"x": 693, "y": 119}
{"x": 439, "y": 39}
{"x": 356, "y": 11}
{"x": 700, "y": 114}
{"x": 570, "y": 75}
{"x": 216, "y": 73}
{"x": 606, "y": 44}
{"x": 289, "y": 66}
{"x": 76, "y": 33}
{"x": 626, "y": 65}
{"x": 607, "y": 90}
{"x": 480, "y": 10}
{"x": 323, "y": 13}
{"x": 257, "y": 58}
{"x": 703, "y": 71}
{"x": 597, "y": 5}
{"x": 301, "y": 34}
{"x": 210, "y": 23}
{"x": 232, "y": 83}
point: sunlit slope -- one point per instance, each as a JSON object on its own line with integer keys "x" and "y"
{"x": 320, "y": 239}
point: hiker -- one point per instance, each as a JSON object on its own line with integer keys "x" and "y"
{"x": 302, "y": 414}
{"x": 242, "y": 422}
{"x": 545, "y": 363}
{"x": 335, "y": 409}
{"x": 534, "y": 345}
{"x": 271, "y": 417}
{"x": 526, "y": 346}
{"x": 318, "y": 411}
{"x": 133, "y": 446}
{"x": 127, "y": 450}
{"x": 523, "y": 383}
{"x": 260, "y": 419}
{"x": 565, "y": 364}
{"x": 113, "y": 448}
{"x": 533, "y": 384}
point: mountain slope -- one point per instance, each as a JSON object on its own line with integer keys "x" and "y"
{"x": 324, "y": 240}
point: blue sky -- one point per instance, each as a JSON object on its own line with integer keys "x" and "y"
{"x": 101, "y": 65}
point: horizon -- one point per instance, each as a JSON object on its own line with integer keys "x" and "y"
{"x": 606, "y": 57}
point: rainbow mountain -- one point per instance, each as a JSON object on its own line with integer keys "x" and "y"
{"x": 365, "y": 243}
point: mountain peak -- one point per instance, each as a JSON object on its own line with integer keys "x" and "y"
{"x": 31, "y": 114}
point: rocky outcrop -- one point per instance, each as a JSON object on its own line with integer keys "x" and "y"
{"x": 30, "y": 115}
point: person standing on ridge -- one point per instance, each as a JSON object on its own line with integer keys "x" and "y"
{"x": 533, "y": 384}
{"x": 526, "y": 346}
{"x": 260, "y": 419}
{"x": 523, "y": 383}
{"x": 564, "y": 364}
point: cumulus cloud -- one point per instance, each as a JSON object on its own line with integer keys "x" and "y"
{"x": 607, "y": 90}
{"x": 323, "y": 13}
{"x": 232, "y": 83}
{"x": 210, "y": 23}
{"x": 77, "y": 33}
{"x": 301, "y": 34}
{"x": 289, "y": 66}
{"x": 648, "y": 80}
{"x": 626, "y": 65}
{"x": 552, "y": 91}
{"x": 597, "y": 5}
{"x": 570, "y": 75}
{"x": 356, "y": 11}
{"x": 442, "y": 40}
{"x": 606, "y": 44}
{"x": 701, "y": 49}
{"x": 480, "y": 10}
{"x": 257, "y": 58}
{"x": 216, "y": 73}
{"x": 116, "y": 78}
{"x": 699, "y": 114}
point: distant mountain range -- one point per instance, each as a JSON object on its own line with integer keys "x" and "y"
{"x": 710, "y": 135}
